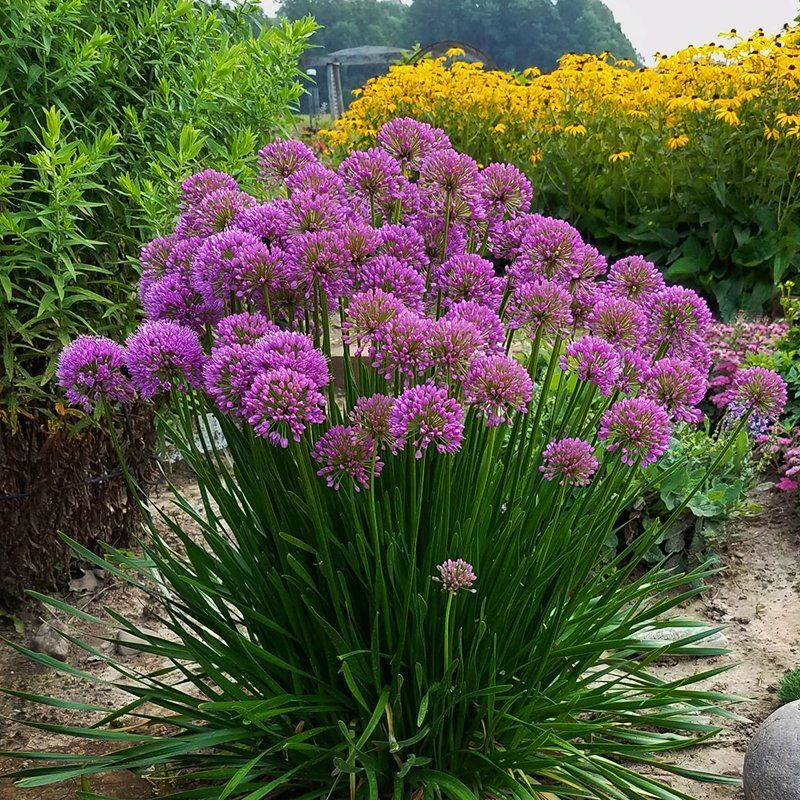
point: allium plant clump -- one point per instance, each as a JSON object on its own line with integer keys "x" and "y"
{"x": 403, "y": 589}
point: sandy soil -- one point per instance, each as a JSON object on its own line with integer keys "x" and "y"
{"x": 757, "y": 597}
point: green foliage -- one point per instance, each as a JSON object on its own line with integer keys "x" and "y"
{"x": 107, "y": 105}
{"x": 789, "y": 687}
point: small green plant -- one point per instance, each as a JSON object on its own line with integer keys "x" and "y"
{"x": 789, "y": 686}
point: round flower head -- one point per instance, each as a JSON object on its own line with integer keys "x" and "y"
{"x": 454, "y": 343}
{"x": 346, "y": 451}
{"x": 676, "y": 314}
{"x": 424, "y": 415}
{"x": 368, "y": 316}
{"x": 456, "y": 576}
{"x": 633, "y": 367}
{"x": 291, "y": 350}
{"x": 760, "y": 391}
{"x": 449, "y": 175}
{"x": 497, "y": 385}
{"x": 198, "y": 186}
{"x": 432, "y": 230}
{"x": 321, "y": 263}
{"x": 372, "y": 415}
{"x": 618, "y": 320}
{"x": 489, "y": 325}
{"x": 404, "y": 346}
{"x": 245, "y": 328}
{"x": 638, "y": 428}
{"x": 267, "y": 221}
{"x": 569, "y": 461}
{"x": 677, "y": 386}
{"x": 592, "y": 359}
{"x": 162, "y": 356}
{"x": 394, "y": 277}
{"x": 91, "y": 369}
{"x": 172, "y": 297}
{"x": 213, "y": 213}
{"x": 317, "y": 178}
{"x": 505, "y": 237}
{"x": 591, "y": 264}
{"x": 154, "y": 259}
{"x": 540, "y": 305}
{"x": 635, "y": 278}
{"x": 405, "y": 244}
{"x": 227, "y": 375}
{"x": 505, "y": 190}
{"x": 372, "y": 175}
{"x": 469, "y": 277}
{"x": 410, "y": 141}
{"x": 360, "y": 242}
{"x": 280, "y": 159}
{"x": 399, "y": 208}
{"x": 309, "y": 211}
{"x": 551, "y": 248}
{"x": 281, "y": 403}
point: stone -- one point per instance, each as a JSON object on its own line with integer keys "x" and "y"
{"x": 772, "y": 762}
{"x": 658, "y": 637}
{"x": 49, "y": 641}
{"x": 125, "y": 639}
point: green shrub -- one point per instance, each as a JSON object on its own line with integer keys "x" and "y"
{"x": 789, "y": 687}
{"x": 105, "y": 106}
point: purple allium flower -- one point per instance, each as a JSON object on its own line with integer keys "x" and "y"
{"x": 405, "y": 244}
{"x": 368, "y": 316}
{"x": 505, "y": 190}
{"x": 454, "y": 343}
{"x": 484, "y": 319}
{"x": 569, "y": 461}
{"x": 505, "y": 237}
{"x": 291, "y": 350}
{"x": 591, "y": 264}
{"x": 676, "y": 314}
{"x": 281, "y": 403}
{"x": 162, "y": 356}
{"x": 498, "y": 385}
{"x": 172, "y": 297}
{"x": 347, "y": 451}
{"x": 618, "y": 320}
{"x": 449, "y": 175}
{"x": 551, "y": 248}
{"x": 592, "y": 359}
{"x": 469, "y": 277}
{"x": 316, "y": 178}
{"x": 372, "y": 414}
{"x": 245, "y": 328}
{"x": 635, "y": 278}
{"x": 373, "y": 175}
{"x": 198, "y": 186}
{"x": 540, "y": 305}
{"x": 677, "y": 386}
{"x": 213, "y": 213}
{"x": 456, "y": 576}
{"x": 227, "y": 375}
{"x": 759, "y": 390}
{"x": 91, "y": 369}
{"x": 391, "y": 275}
{"x": 638, "y": 428}
{"x": 280, "y": 159}
{"x": 267, "y": 221}
{"x": 360, "y": 242}
{"x": 154, "y": 258}
{"x": 425, "y": 415}
{"x": 632, "y": 372}
{"x": 410, "y": 141}
{"x": 432, "y": 230}
{"x": 404, "y": 346}
{"x": 321, "y": 263}
{"x": 401, "y": 207}
{"x": 694, "y": 348}
{"x": 309, "y": 211}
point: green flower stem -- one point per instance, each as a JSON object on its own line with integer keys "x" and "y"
{"x": 447, "y": 634}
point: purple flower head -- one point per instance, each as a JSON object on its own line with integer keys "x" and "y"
{"x": 372, "y": 414}
{"x": 91, "y": 369}
{"x": 489, "y": 325}
{"x": 267, "y": 221}
{"x": 569, "y": 461}
{"x": 551, "y": 248}
{"x": 456, "y": 576}
{"x": 469, "y": 277}
{"x": 281, "y": 403}
{"x": 448, "y": 175}
{"x": 401, "y": 207}
{"x": 618, "y": 320}
{"x": 162, "y": 356}
{"x": 153, "y": 258}
{"x": 584, "y": 298}
{"x": 678, "y": 386}
{"x": 410, "y": 141}
{"x": 540, "y": 305}
{"x": 424, "y": 415}
{"x": 505, "y": 237}
{"x": 291, "y": 350}
{"x": 497, "y": 385}
{"x": 227, "y": 375}
{"x": 632, "y": 372}
{"x": 676, "y": 314}
{"x": 395, "y": 277}
{"x": 695, "y": 349}
{"x": 635, "y": 278}
{"x": 172, "y": 297}
{"x": 213, "y": 213}
{"x": 346, "y": 451}
{"x": 321, "y": 263}
{"x": 760, "y": 391}
{"x": 404, "y": 346}
{"x": 505, "y": 190}
{"x": 372, "y": 175}
{"x": 198, "y": 186}
{"x": 368, "y": 316}
{"x": 405, "y": 244}
{"x": 315, "y": 177}
{"x": 592, "y": 359}
{"x": 360, "y": 242}
{"x": 245, "y": 328}
{"x": 638, "y": 428}
{"x": 280, "y": 159}
{"x": 591, "y": 264}
{"x": 454, "y": 344}
{"x": 309, "y": 211}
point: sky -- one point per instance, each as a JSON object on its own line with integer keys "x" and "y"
{"x": 668, "y": 25}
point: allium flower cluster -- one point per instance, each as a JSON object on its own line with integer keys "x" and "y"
{"x": 456, "y": 576}
{"x": 593, "y": 360}
{"x": 346, "y": 451}
{"x": 638, "y": 429}
{"x": 91, "y": 369}
{"x": 424, "y": 415}
{"x": 497, "y": 386}
{"x": 569, "y": 461}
